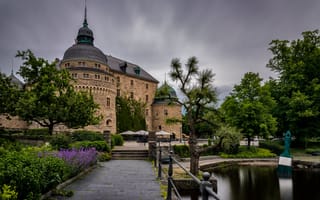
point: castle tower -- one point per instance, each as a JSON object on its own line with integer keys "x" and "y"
{"x": 88, "y": 66}
{"x": 164, "y": 108}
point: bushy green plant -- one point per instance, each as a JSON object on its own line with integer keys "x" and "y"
{"x": 116, "y": 140}
{"x": 30, "y": 174}
{"x": 209, "y": 142}
{"x": 312, "y": 150}
{"x": 250, "y": 153}
{"x": 60, "y": 142}
{"x": 98, "y": 145}
{"x": 104, "y": 156}
{"x": 8, "y": 193}
{"x": 228, "y": 139}
{"x": 10, "y": 144}
{"x": 181, "y": 150}
{"x": 85, "y": 135}
{"x": 273, "y": 146}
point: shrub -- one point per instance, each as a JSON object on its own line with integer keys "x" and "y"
{"x": 116, "y": 140}
{"x": 84, "y": 135}
{"x": 273, "y": 146}
{"x": 39, "y": 133}
{"x": 312, "y": 150}
{"x": 60, "y": 142}
{"x": 31, "y": 175}
{"x": 78, "y": 159}
{"x": 228, "y": 139}
{"x": 8, "y": 193}
{"x": 250, "y": 153}
{"x": 10, "y": 144}
{"x": 181, "y": 150}
{"x": 98, "y": 145}
{"x": 104, "y": 156}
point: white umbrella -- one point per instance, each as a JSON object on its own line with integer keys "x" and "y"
{"x": 163, "y": 133}
{"x": 142, "y": 132}
{"x": 128, "y": 133}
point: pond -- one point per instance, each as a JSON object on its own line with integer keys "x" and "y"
{"x": 262, "y": 183}
{"x": 245, "y": 182}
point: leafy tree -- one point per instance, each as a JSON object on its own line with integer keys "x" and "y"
{"x": 130, "y": 114}
{"x": 50, "y": 99}
{"x": 199, "y": 95}
{"x": 9, "y": 93}
{"x": 297, "y": 89}
{"x": 249, "y": 108}
{"x": 228, "y": 139}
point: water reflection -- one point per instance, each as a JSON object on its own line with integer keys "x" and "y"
{"x": 262, "y": 183}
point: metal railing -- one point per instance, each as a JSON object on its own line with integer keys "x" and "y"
{"x": 205, "y": 185}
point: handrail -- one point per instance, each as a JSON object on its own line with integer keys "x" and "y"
{"x": 205, "y": 184}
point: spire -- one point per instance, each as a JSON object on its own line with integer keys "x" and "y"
{"x": 85, "y": 23}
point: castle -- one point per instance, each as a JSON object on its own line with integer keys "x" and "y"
{"x": 107, "y": 77}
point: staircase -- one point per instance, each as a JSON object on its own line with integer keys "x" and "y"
{"x": 129, "y": 154}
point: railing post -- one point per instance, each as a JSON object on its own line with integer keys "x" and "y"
{"x": 170, "y": 172}
{"x": 159, "y": 163}
{"x": 205, "y": 183}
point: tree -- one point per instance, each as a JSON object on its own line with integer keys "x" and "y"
{"x": 50, "y": 99}
{"x": 8, "y": 95}
{"x": 297, "y": 88}
{"x": 199, "y": 95}
{"x": 249, "y": 108}
{"x": 130, "y": 114}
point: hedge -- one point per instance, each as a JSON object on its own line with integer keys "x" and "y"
{"x": 98, "y": 145}
{"x": 84, "y": 135}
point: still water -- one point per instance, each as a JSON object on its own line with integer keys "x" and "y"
{"x": 262, "y": 183}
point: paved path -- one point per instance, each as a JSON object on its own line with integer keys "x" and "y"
{"x": 118, "y": 180}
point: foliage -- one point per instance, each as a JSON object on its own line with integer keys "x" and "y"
{"x": 273, "y": 146}
{"x": 9, "y": 93}
{"x": 8, "y": 193}
{"x": 130, "y": 114}
{"x": 31, "y": 175}
{"x": 250, "y": 153}
{"x": 85, "y": 135}
{"x": 60, "y": 141}
{"x": 104, "y": 156}
{"x": 181, "y": 150}
{"x": 228, "y": 139}
{"x": 98, "y": 145}
{"x": 62, "y": 193}
{"x": 249, "y": 108}
{"x": 312, "y": 150}
{"x": 116, "y": 140}
{"x": 10, "y": 144}
{"x": 297, "y": 89}
{"x": 50, "y": 98}
{"x": 200, "y": 95}
{"x": 79, "y": 159}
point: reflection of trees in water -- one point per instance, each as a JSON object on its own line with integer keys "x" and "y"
{"x": 306, "y": 184}
{"x": 248, "y": 183}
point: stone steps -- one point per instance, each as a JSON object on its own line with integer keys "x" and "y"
{"x": 129, "y": 154}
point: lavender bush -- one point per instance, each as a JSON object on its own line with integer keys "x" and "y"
{"x": 78, "y": 159}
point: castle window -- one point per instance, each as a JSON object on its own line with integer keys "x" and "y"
{"x": 166, "y": 112}
{"x": 97, "y": 65}
{"x": 81, "y": 63}
{"x": 118, "y": 79}
{"x": 97, "y": 76}
{"x": 131, "y": 95}
{"x": 118, "y": 92}
{"x": 131, "y": 82}
{"x": 74, "y": 75}
{"x": 147, "y": 86}
{"x": 108, "y": 122}
{"x": 108, "y": 102}
{"x": 85, "y": 75}
{"x": 147, "y": 98}
{"x": 67, "y": 65}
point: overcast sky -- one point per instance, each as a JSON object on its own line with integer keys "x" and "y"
{"x": 231, "y": 37}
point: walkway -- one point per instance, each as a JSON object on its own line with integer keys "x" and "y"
{"x": 118, "y": 180}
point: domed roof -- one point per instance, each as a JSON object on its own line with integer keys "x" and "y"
{"x": 165, "y": 92}
{"x": 85, "y": 51}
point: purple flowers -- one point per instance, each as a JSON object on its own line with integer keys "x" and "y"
{"x": 78, "y": 159}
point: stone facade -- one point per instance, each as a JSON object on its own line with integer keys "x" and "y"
{"x": 106, "y": 77}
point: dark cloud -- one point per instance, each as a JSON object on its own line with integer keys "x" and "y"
{"x": 230, "y": 37}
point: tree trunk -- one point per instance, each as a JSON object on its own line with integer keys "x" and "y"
{"x": 50, "y": 127}
{"x": 249, "y": 142}
{"x": 194, "y": 155}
